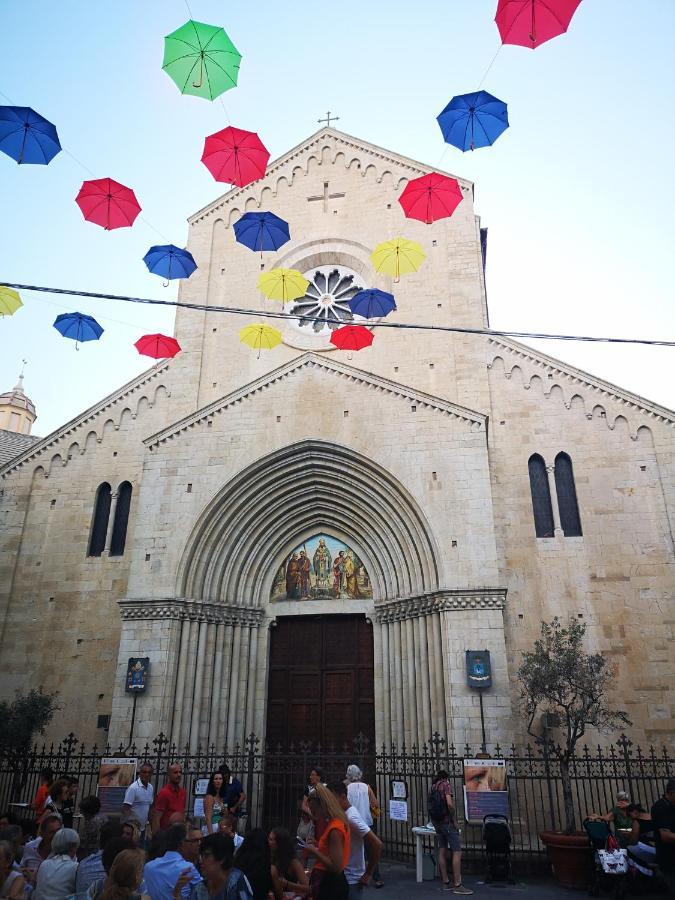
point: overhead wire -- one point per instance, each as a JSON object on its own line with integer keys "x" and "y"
{"x": 412, "y": 326}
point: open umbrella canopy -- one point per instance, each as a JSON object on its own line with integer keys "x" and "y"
{"x": 397, "y": 257}
{"x": 10, "y": 301}
{"x": 170, "y": 262}
{"x": 260, "y": 337}
{"x": 26, "y": 136}
{"x": 283, "y": 284}
{"x": 108, "y": 203}
{"x": 261, "y": 231}
{"x": 78, "y": 327}
{"x": 473, "y": 120}
{"x": 351, "y": 337}
{"x": 201, "y": 59}
{"x": 235, "y": 156}
{"x": 372, "y": 303}
{"x": 157, "y": 346}
{"x": 430, "y": 197}
{"x": 529, "y": 23}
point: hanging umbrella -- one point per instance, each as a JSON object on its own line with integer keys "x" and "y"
{"x": 260, "y": 337}
{"x": 372, "y": 304}
{"x": 351, "y": 337}
{"x": 78, "y": 327}
{"x": 283, "y": 284}
{"x": 397, "y": 257}
{"x": 529, "y": 23}
{"x": 158, "y": 346}
{"x": 201, "y": 59}
{"x": 26, "y": 136}
{"x": 430, "y": 197}
{"x": 261, "y": 231}
{"x": 10, "y": 301}
{"x": 235, "y": 156}
{"x": 169, "y": 262}
{"x": 473, "y": 120}
{"x": 108, "y": 203}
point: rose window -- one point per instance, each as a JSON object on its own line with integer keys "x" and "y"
{"x": 325, "y": 306}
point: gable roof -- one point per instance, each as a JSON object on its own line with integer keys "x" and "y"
{"x": 380, "y": 157}
{"x": 332, "y": 367}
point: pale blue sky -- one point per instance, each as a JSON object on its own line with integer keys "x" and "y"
{"x": 578, "y": 194}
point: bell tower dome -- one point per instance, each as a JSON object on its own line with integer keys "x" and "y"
{"x": 17, "y": 411}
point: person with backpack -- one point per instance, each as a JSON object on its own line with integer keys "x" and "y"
{"x": 444, "y": 819}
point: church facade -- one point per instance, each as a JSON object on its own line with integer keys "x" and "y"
{"x": 306, "y": 542}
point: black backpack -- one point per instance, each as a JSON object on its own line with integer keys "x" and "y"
{"x": 436, "y": 805}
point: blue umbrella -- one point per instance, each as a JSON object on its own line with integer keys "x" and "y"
{"x": 473, "y": 120}
{"x": 372, "y": 304}
{"x": 78, "y": 327}
{"x": 170, "y": 262}
{"x": 26, "y": 136}
{"x": 261, "y": 231}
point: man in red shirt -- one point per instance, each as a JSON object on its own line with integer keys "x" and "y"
{"x": 170, "y": 803}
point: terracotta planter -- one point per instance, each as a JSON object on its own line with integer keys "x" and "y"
{"x": 570, "y": 856}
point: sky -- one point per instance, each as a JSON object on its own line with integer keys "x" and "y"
{"x": 578, "y": 194}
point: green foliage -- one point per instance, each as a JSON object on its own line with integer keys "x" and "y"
{"x": 22, "y": 719}
{"x": 560, "y": 679}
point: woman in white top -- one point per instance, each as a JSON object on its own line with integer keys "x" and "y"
{"x": 12, "y": 882}
{"x": 56, "y": 875}
{"x": 362, "y": 797}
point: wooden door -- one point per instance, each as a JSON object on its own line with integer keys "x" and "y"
{"x": 320, "y": 680}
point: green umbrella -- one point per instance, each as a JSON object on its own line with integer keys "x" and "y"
{"x": 201, "y": 59}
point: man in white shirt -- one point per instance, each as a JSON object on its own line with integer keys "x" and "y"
{"x": 138, "y": 798}
{"x": 358, "y": 875}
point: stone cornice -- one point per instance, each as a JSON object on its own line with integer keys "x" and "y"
{"x": 573, "y": 375}
{"x": 339, "y": 369}
{"x": 182, "y": 609}
{"x": 344, "y": 142}
{"x": 88, "y": 415}
{"x": 440, "y": 601}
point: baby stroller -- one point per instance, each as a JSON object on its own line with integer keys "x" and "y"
{"x": 497, "y": 840}
{"x": 610, "y": 865}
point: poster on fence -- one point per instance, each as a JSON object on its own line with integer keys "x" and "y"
{"x": 398, "y": 810}
{"x": 485, "y": 789}
{"x": 115, "y": 774}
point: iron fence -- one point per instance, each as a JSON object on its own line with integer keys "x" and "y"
{"x": 274, "y": 779}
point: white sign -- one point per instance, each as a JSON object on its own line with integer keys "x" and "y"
{"x": 201, "y": 784}
{"x": 398, "y": 810}
{"x": 198, "y": 810}
{"x": 398, "y": 791}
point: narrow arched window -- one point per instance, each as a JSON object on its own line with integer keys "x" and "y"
{"x": 119, "y": 532}
{"x": 99, "y": 522}
{"x": 567, "y": 496}
{"x": 541, "y": 497}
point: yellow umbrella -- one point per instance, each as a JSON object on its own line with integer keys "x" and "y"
{"x": 260, "y": 337}
{"x": 283, "y": 284}
{"x": 397, "y": 257}
{"x": 9, "y": 301}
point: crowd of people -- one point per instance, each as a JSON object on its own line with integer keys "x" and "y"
{"x": 153, "y": 850}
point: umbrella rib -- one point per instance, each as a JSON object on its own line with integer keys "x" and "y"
{"x": 552, "y": 12}
{"x": 189, "y": 75}
{"x": 224, "y": 71}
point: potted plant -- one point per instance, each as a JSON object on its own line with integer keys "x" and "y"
{"x": 560, "y": 681}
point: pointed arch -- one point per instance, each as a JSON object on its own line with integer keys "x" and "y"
{"x": 542, "y": 508}
{"x": 568, "y": 507}
{"x": 119, "y": 532}
{"x": 99, "y": 521}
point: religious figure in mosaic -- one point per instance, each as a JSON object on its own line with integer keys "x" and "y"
{"x": 321, "y": 568}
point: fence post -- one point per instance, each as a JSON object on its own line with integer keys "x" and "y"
{"x": 251, "y": 744}
{"x": 544, "y": 743}
{"x": 624, "y": 743}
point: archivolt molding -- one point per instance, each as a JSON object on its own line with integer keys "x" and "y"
{"x": 474, "y": 420}
{"x": 325, "y": 146}
{"x": 398, "y": 610}
{"x": 132, "y": 395}
{"x": 263, "y": 512}
{"x": 181, "y": 609}
{"x": 565, "y": 385}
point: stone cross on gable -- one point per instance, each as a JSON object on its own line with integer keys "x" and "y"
{"x": 325, "y": 196}
{"x": 328, "y": 118}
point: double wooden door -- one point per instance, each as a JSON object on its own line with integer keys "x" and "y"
{"x": 320, "y": 680}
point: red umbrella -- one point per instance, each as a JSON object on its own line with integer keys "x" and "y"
{"x": 235, "y": 156}
{"x": 351, "y": 337}
{"x": 108, "y": 203}
{"x": 430, "y": 197}
{"x": 158, "y": 346}
{"x": 529, "y": 23}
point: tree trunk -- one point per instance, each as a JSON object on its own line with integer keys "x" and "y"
{"x": 568, "y": 800}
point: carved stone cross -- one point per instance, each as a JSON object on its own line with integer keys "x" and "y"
{"x": 325, "y": 196}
